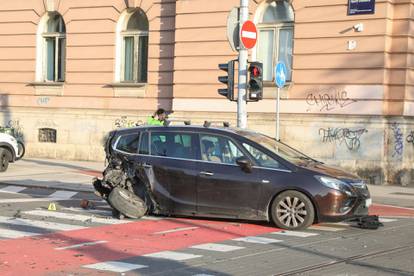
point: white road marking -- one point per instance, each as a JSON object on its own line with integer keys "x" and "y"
{"x": 174, "y": 256}
{"x": 80, "y": 245}
{"x": 152, "y": 218}
{"x": 75, "y": 217}
{"x": 295, "y": 234}
{"x": 259, "y": 240}
{"x": 326, "y": 228}
{"x": 217, "y": 247}
{"x": 24, "y": 200}
{"x": 119, "y": 267}
{"x": 175, "y": 230}
{"x": 63, "y": 194}
{"x": 14, "y": 234}
{"x": 12, "y": 189}
{"x": 386, "y": 220}
{"x": 106, "y": 213}
{"x": 40, "y": 224}
{"x": 248, "y": 34}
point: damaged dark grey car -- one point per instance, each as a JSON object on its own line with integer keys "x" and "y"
{"x": 226, "y": 173}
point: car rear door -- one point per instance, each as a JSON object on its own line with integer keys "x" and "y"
{"x": 171, "y": 170}
{"x": 223, "y": 189}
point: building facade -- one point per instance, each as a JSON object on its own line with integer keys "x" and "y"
{"x": 70, "y": 71}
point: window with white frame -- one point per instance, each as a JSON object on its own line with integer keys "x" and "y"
{"x": 54, "y": 48}
{"x": 134, "y": 39}
{"x": 275, "y": 40}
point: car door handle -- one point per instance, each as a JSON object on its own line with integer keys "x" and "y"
{"x": 207, "y": 173}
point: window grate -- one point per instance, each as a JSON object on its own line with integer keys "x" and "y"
{"x": 47, "y": 135}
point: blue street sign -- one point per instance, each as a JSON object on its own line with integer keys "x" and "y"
{"x": 361, "y": 7}
{"x": 280, "y": 74}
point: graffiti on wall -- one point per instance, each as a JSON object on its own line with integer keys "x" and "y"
{"x": 43, "y": 100}
{"x": 124, "y": 122}
{"x": 410, "y": 138}
{"x": 328, "y": 100}
{"x": 351, "y": 138}
{"x": 398, "y": 140}
{"x": 14, "y": 128}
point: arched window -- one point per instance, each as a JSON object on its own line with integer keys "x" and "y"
{"x": 53, "y": 45}
{"x": 275, "y": 41}
{"x": 134, "y": 39}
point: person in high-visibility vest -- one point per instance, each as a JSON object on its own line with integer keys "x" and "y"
{"x": 158, "y": 118}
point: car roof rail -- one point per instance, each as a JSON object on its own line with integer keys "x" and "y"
{"x": 169, "y": 121}
{"x": 209, "y": 123}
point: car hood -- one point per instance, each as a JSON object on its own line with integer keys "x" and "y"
{"x": 330, "y": 171}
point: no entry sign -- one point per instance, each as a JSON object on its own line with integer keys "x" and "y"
{"x": 248, "y": 34}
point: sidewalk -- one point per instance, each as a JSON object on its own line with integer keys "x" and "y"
{"x": 51, "y": 173}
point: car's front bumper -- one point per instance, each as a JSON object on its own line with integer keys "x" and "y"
{"x": 337, "y": 206}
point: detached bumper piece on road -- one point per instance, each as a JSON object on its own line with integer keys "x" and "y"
{"x": 368, "y": 222}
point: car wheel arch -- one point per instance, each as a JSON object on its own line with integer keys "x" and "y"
{"x": 315, "y": 206}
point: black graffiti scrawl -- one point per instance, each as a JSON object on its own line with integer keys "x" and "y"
{"x": 328, "y": 100}
{"x": 351, "y": 138}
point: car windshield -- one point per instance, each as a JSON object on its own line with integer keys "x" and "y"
{"x": 278, "y": 148}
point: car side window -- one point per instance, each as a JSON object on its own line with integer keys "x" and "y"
{"x": 219, "y": 149}
{"x": 128, "y": 143}
{"x": 173, "y": 144}
{"x": 261, "y": 158}
{"x": 144, "y": 144}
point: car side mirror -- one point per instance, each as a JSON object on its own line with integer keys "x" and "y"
{"x": 244, "y": 164}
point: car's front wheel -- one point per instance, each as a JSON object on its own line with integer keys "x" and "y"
{"x": 292, "y": 210}
{"x": 4, "y": 159}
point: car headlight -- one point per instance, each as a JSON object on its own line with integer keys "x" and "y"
{"x": 334, "y": 183}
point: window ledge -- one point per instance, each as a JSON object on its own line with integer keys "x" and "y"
{"x": 129, "y": 90}
{"x": 48, "y": 88}
{"x": 126, "y": 84}
{"x": 56, "y": 84}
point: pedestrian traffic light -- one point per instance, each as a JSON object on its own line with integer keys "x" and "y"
{"x": 255, "y": 87}
{"x": 228, "y": 80}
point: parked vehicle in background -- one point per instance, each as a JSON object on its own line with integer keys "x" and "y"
{"x": 226, "y": 173}
{"x": 9, "y": 149}
{"x": 13, "y": 132}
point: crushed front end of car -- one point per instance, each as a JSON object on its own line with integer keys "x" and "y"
{"x": 122, "y": 186}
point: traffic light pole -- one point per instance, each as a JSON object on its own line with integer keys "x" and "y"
{"x": 243, "y": 57}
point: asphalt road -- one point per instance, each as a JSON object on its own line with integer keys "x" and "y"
{"x": 77, "y": 241}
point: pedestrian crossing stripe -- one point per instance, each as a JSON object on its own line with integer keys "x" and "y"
{"x": 119, "y": 267}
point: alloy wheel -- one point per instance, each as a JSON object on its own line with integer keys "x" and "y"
{"x": 291, "y": 211}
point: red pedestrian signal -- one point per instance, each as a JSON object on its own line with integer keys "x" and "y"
{"x": 255, "y": 87}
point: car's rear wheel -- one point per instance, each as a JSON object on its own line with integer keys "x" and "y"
{"x": 127, "y": 203}
{"x": 292, "y": 210}
{"x": 4, "y": 159}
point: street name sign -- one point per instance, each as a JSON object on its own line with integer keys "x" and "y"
{"x": 361, "y": 7}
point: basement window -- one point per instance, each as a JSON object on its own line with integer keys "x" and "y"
{"x": 47, "y": 135}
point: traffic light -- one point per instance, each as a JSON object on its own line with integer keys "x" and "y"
{"x": 255, "y": 87}
{"x": 228, "y": 80}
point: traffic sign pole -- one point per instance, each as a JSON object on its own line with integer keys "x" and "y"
{"x": 280, "y": 80}
{"x": 243, "y": 56}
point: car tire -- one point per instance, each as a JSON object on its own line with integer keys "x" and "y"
{"x": 292, "y": 210}
{"x": 4, "y": 159}
{"x": 21, "y": 151}
{"x": 127, "y": 203}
